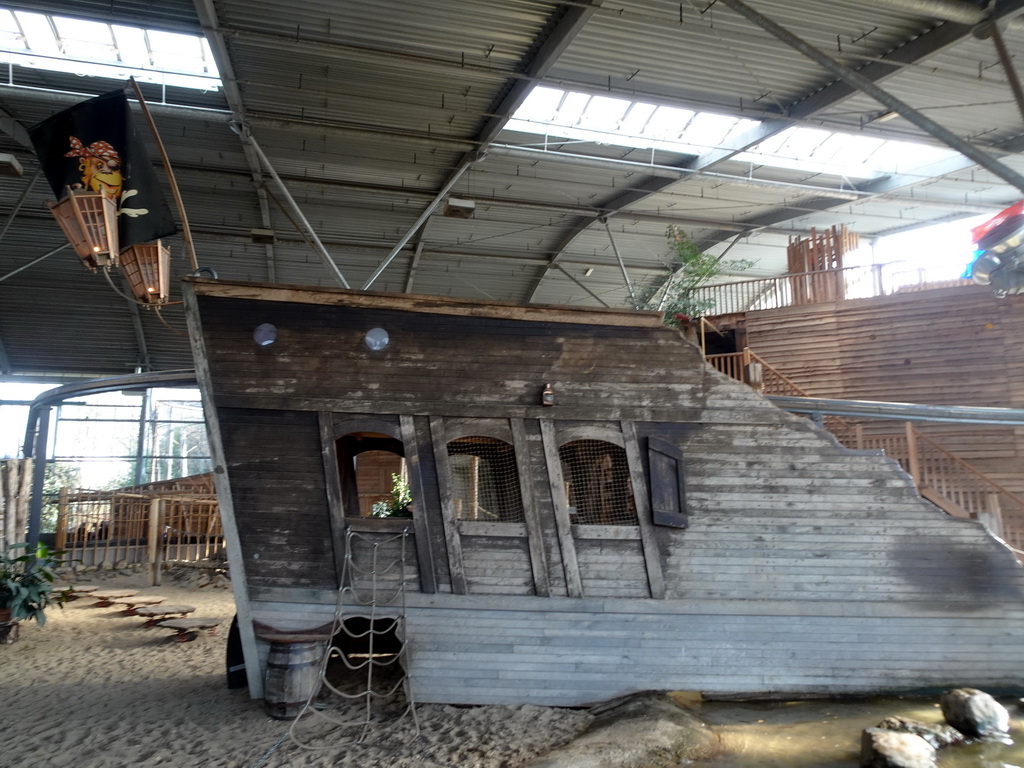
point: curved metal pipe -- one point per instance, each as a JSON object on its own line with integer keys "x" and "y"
{"x": 956, "y": 414}
{"x": 37, "y": 428}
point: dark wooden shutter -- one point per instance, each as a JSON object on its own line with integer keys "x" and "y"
{"x": 668, "y": 495}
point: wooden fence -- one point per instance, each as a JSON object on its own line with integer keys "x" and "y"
{"x": 122, "y": 527}
{"x": 817, "y": 287}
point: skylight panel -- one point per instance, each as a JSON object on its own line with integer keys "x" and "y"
{"x": 708, "y": 130}
{"x": 541, "y": 105}
{"x": 85, "y": 40}
{"x": 571, "y": 109}
{"x": 668, "y": 123}
{"x": 552, "y": 112}
{"x": 38, "y": 33}
{"x": 604, "y": 113}
{"x": 132, "y": 48}
{"x": 10, "y": 33}
{"x": 91, "y": 48}
{"x": 635, "y": 121}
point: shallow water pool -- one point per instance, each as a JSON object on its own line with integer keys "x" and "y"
{"x": 826, "y": 733}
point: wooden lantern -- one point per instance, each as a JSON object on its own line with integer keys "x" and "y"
{"x": 148, "y": 269}
{"x": 89, "y": 221}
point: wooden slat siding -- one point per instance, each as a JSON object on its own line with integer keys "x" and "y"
{"x": 279, "y": 495}
{"x": 531, "y": 512}
{"x": 319, "y": 362}
{"x": 956, "y": 346}
{"x": 537, "y": 463}
{"x": 565, "y": 658}
{"x": 431, "y": 501}
{"x": 612, "y": 568}
{"x": 240, "y": 586}
{"x": 389, "y": 576}
{"x": 456, "y": 565}
{"x": 563, "y": 526}
{"x": 421, "y": 516}
{"x": 651, "y": 551}
{"x": 497, "y": 565}
{"x": 332, "y": 481}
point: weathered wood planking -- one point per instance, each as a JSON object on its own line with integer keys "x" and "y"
{"x": 953, "y": 346}
{"x": 275, "y": 468}
{"x": 805, "y": 567}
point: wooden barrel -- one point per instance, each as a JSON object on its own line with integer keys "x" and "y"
{"x": 293, "y": 675}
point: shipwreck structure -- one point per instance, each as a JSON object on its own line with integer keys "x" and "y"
{"x": 594, "y": 510}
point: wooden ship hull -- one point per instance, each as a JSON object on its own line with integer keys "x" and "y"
{"x": 658, "y": 526}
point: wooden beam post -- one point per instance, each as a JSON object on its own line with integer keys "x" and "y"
{"x": 155, "y": 540}
{"x": 913, "y": 463}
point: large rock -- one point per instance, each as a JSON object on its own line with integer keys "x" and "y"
{"x": 644, "y": 730}
{"x": 937, "y": 734}
{"x": 974, "y": 712}
{"x": 882, "y": 748}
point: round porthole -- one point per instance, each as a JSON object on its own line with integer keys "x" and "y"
{"x": 377, "y": 339}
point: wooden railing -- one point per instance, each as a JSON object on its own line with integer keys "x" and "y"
{"x": 940, "y": 476}
{"x": 817, "y": 287}
{"x": 951, "y": 483}
{"x": 750, "y": 368}
{"x": 111, "y": 527}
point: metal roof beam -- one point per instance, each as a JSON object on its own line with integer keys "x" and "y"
{"x": 5, "y": 361}
{"x": 935, "y": 40}
{"x": 207, "y": 14}
{"x": 567, "y": 22}
{"x": 883, "y": 97}
{"x": 14, "y": 129}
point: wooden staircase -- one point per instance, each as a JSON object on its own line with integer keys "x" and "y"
{"x": 940, "y": 476}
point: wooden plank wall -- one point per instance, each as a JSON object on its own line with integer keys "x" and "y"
{"x": 280, "y": 499}
{"x": 804, "y": 568}
{"x": 953, "y": 346}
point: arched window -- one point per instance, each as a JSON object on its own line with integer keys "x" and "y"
{"x": 597, "y": 483}
{"x": 485, "y": 481}
{"x": 373, "y": 475}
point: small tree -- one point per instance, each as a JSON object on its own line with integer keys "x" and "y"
{"x": 677, "y": 295}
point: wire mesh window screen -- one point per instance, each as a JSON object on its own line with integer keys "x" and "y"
{"x": 597, "y": 483}
{"x": 485, "y": 481}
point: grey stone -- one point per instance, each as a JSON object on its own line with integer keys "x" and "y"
{"x": 644, "y": 730}
{"x": 974, "y": 712}
{"x": 937, "y": 734}
{"x": 882, "y": 748}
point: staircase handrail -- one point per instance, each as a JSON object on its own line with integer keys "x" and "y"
{"x": 980, "y": 476}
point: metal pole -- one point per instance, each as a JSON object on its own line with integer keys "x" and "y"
{"x": 247, "y": 137}
{"x": 35, "y": 261}
{"x": 21, "y": 202}
{"x": 141, "y": 436}
{"x": 1007, "y": 61}
{"x": 35, "y": 508}
{"x": 419, "y": 222}
{"x": 885, "y": 98}
{"x": 593, "y": 295}
{"x": 622, "y": 266}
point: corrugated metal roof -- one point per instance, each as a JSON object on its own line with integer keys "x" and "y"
{"x": 366, "y": 110}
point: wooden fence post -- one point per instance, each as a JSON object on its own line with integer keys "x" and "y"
{"x": 61, "y": 541}
{"x": 913, "y": 463}
{"x": 155, "y": 540}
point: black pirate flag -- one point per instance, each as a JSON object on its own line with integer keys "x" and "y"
{"x": 93, "y": 146}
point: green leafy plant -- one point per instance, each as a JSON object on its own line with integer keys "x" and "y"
{"x": 399, "y": 505}
{"x": 678, "y": 295}
{"x": 26, "y": 582}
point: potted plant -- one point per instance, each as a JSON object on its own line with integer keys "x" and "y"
{"x": 400, "y": 502}
{"x": 26, "y": 587}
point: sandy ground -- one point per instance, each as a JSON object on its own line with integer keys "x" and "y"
{"x": 94, "y": 688}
